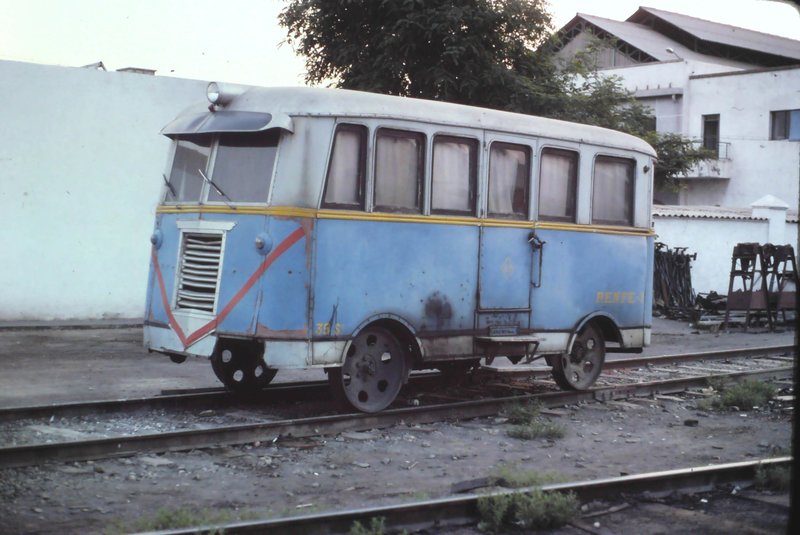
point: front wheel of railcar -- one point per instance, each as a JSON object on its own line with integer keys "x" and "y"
{"x": 240, "y": 365}
{"x": 579, "y": 369}
{"x": 374, "y": 370}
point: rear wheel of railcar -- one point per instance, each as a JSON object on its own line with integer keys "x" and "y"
{"x": 579, "y": 369}
{"x": 240, "y": 365}
{"x": 374, "y": 370}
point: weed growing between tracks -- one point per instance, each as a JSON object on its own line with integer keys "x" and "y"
{"x": 376, "y": 527}
{"x": 527, "y": 425}
{"x": 777, "y": 478}
{"x": 745, "y": 395}
{"x": 534, "y": 510}
{"x": 182, "y": 518}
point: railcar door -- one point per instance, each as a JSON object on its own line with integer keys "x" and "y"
{"x": 506, "y": 255}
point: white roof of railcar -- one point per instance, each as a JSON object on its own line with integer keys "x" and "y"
{"x": 312, "y": 101}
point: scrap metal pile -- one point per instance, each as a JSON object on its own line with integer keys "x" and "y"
{"x": 762, "y": 290}
{"x": 673, "y": 295}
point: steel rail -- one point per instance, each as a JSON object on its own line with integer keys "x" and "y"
{"x": 463, "y": 510}
{"x": 719, "y": 354}
{"x": 637, "y": 362}
{"x": 213, "y": 398}
{"x": 329, "y": 425}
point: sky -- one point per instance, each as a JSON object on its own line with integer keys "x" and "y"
{"x": 240, "y": 40}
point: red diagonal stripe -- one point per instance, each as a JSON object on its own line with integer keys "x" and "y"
{"x": 164, "y": 300}
{"x": 290, "y": 240}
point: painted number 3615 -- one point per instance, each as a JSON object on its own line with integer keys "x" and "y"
{"x": 324, "y": 329}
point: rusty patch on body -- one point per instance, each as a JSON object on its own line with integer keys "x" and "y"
{"x": 438, "y": 310}
{"x": 262, "y": 331}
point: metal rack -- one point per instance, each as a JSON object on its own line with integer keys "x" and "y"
{"x": 763, "y": 283}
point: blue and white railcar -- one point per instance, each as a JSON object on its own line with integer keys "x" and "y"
{"x": 370, "y": 235}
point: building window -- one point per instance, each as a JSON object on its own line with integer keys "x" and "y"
{"x": 455, "y": 172}
{"x": 711, "y": 134}
{"x": 399, "y": 164}
{"x": 558, "y": 182}
{"x": 785, "y": 124}
{"x": 344, "y": 186}
{"x": 509, "y": 172}
{"x": 612, "y": 191}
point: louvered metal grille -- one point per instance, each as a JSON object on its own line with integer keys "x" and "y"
{"x": 200, "y": 260}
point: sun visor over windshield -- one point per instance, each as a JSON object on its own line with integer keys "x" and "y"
{"x": 226, "y": 121}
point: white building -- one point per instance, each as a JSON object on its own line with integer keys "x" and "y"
{"x": 735, "y": 91}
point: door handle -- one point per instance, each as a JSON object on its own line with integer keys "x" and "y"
{"x": 537, "y": 244}
{"x": 535, "y": 241}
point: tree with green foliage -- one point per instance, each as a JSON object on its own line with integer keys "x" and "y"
{"x": 488, "y": 53}
{"x": 479, "y": 52}
{"x": 676, "y": 156}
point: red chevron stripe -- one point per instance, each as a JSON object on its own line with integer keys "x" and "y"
{"x": 290, "y": 240}
{"x": 164, "y": 300}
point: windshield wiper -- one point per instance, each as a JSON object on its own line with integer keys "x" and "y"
{"x": 212, "y": 184}
{"x": 171, "y": 189}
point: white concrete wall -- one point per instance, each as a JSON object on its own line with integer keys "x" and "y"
{"x": 757, "y": 165}
{"x": 80, "y": 174}
{"x": 664, "y": 74}
{"x": 713, "y": 241}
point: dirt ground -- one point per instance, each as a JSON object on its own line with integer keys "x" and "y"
{"x": 350, "y": 470}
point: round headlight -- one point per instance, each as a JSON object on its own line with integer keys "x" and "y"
{"x": 213, "y": 93}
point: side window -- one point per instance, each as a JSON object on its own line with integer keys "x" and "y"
{"x": 455, "y": 171}
{"x": 191, "y": 158}
{"x": 399, "y": 165}
{"x": 612, "y": 191}
{"x": 558, "y": 184}
{"x": 509, "y": 170}
{"x": 344, "y": 185}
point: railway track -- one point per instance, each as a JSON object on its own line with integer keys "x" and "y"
{"x": 216, "y": 398}
{"x": 30, "y": 454}
{"x": 462, "y": 510}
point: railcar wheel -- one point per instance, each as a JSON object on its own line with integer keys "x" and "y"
{"x": 579, "y": 369}
{"x": 374, "y": 370}
{"x": 240, "y": 366}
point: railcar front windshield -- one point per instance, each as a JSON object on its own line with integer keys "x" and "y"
{"x": 240, "y": 165}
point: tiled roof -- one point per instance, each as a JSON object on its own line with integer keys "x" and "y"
{"x": 724, "y": 34}
{"x": 713, "y": 212}
{"x": 651, "y": 31}
{"x": 651, "y": 42}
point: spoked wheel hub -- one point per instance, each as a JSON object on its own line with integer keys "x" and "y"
{"x": 579, "y": 369}
{"x": 373, "y": 371}
{"x": 240, "y": 365}
{"x": 365, "y": 367}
